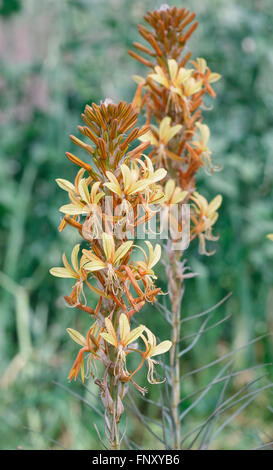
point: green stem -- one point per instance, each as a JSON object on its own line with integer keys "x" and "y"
{"x": 175, "y": 281}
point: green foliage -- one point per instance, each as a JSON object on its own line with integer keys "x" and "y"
{"x": 8, "y": 7}
{"x": 74, "y": 52}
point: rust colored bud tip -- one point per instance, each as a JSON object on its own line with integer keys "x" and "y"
{"x": 143, "y": 131}
{"x": 138, "y": 150}
{"x": 101, "y": 145}
{"x": 62, "y": 225}
{"x": 72, "y": 222}
{"x": 81, "y": 144}
{"x": 80, "y": 306}
{"x": 189, "y": 32}
{"x": 78, "y": 162}
{"x": 143, "y": 61}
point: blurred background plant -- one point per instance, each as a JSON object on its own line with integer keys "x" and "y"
{"x": 55, "y": 58}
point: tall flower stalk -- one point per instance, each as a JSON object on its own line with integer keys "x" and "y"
{"x": 103, "y": 207}
{"x": 171, "y": 96}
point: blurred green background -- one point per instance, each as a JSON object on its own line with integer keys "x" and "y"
{"x": 56, "y": 56}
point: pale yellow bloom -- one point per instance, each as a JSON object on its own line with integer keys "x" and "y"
{"x": 77, "y": 336}
{"x": 83, "y": 203}
{"x": 125, "y": 334}
{"x": 173, "y": 193}
{"x": 152, "y": 259}
{"x": 160, "y": 137}
{"x": 207, "y": 216}
{"x": 153, "y": 349}
{"x": 165, "y": 132}
{"x": 180, "y": 80}
{"x": 144, "y": 268}
{"x": 270, "y": 236}
{"x": 75, "y": 272}
{"x": 110, "y": 263}
{"x": 202, "y": 140}
{"x": 86, "y": 348}
{"x": 201, "y": 66}
{"x": 133, "y": 181}
{"x": 126, "y": 337}
{"x": 112, "y": 257}
{"x": 68, "y": 271}
{"x": 208, "y": 211}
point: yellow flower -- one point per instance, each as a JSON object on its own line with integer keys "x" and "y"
{"x": 201, "y": 143}
{"x": 84, "y": 202}
{"x": 207, "y": 216}
{"x": 77, "y": 337}
{"x": 89, "y": 345}
{"x": 206, "y": 75}
{"x": 153, "y": 349}
{"x": 143, "y": 269}
{"x": 270, "y": 236}
{"x": 112, "y": 256}
{"x": 207, "y": 210}
{"x": 180, "y": 80}
{"x": 165, "y": 132}
{"x": 126, "y": 335}
{"x": 160, "y": 137}
{"x": 169, "y": 216}
{"x": 173, "y": 193}
{"x": 132, "y": 183}
{"x": 68, "y": 271}
{"x": 110, "y": 263}
{"x": 154, "y": 255}
{"x": 201, "y": 66}
{"x": 76, "y": 272}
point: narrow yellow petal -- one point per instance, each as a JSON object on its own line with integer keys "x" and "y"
{"x": 138, "y": 79}
{"x": 124, "y": 328}
{"x": 122, "y": 250}
{"x": 109, "y": 338}
{"x": 158, "y": 175}
{"x": 164, "y": 128}
{"x": 65, "y": 185}
{"x": 135, "y": 333}
{"x": 161, "y": 348}
{"x": 215, "y": 204}
{"x": 173, "y": 131}
{"x": 159, "y": 77}
{"x": 127, "y": 177}
{"x": 108, "y": 246}
{"x": 139, "y": 186}
{"x": 74, "y": 257}
{"x": 94, "y": 190}
{"x": 202, "y": 64}
{"x": 76, "y": 336}
{"x": 111, "y": 330}
{"x": 214, "y": 77}
{"x": 179, "y": 196}
{"x": 94, "y": 266}
{"x": 114, "y": 188}
{"x": 173, "y": 68}
{"x": 71, "y": 209}
{"x": 84, "y": 191}
{"x": 62, "y": 272}
{"x": 169, "y": 189}
{"x": 149, "y": 137}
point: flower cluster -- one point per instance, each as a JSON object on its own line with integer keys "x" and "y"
{"x": 172, "y": 96}
{"x": 103, "y": 207}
